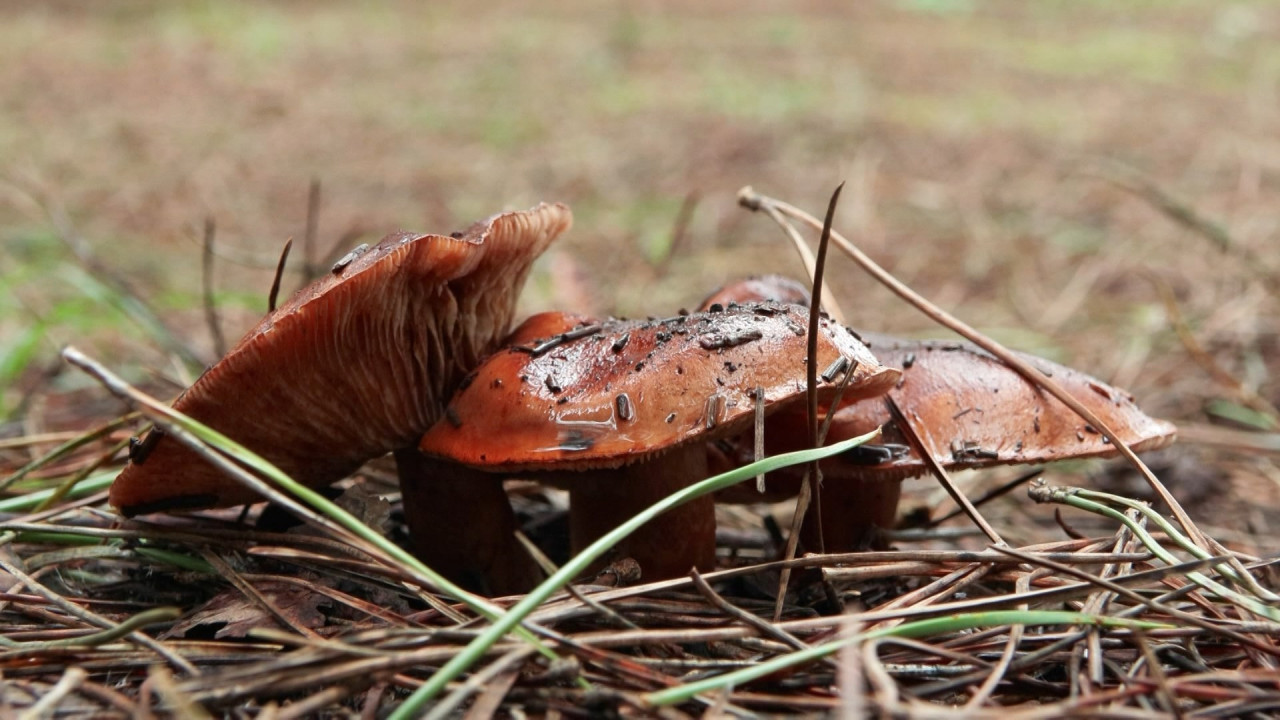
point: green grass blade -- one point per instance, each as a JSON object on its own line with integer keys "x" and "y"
{"x": 918, "y": 628}
{"x": 176, "y": 559}
{"x": 178, "y": 424}
{"x": 30, "y": 501}
{"x": 131, "y": 307}
{"x": 1077, "y": 498}
{"x": 17, "y": 355}
{"x": 579, "y": 563}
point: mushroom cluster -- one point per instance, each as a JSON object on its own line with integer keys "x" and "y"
{"x": 404, "y": 348}
{"x": 968, "y": 409}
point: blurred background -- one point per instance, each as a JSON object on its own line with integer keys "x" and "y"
{"x": 1071, "y": 177}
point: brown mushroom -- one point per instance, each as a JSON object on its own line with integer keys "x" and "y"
{"x": 971, "y": 409}
{"x": 472, "y": 548}
{"x": 761, "y": 288}
{"x": 620, "y": 411}
{"x": 356, "y": 364}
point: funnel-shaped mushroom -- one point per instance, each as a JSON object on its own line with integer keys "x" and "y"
{"x": 620, "y": 411}
{"x": 969, "y": 408}
{"x": 355, "y": 365}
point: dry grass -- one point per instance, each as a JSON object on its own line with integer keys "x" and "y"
{"x": 1094, "y": 182}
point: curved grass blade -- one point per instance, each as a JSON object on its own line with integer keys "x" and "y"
{"x": 414, "y": 705}
{"x": 918, "y": 628}
{"x": 186, "y": 429}
{"x": 30, "y": 501}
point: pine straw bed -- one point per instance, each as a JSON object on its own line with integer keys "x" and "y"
{"x": 233, "y": 614}
{"x": 296, "y": 623}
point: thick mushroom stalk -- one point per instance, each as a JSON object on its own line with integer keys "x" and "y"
{"x": 355, "y": 365}
{"x": 462, "y": 526}
{"x": 968, "y": 408}
{"x": 620, "y": 411}
{"x": 670, "y": 544}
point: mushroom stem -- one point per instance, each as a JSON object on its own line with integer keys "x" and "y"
{"x": 852, "y": 510}
{"x": 462, "y": 525}
{"x": 665, "y": 547}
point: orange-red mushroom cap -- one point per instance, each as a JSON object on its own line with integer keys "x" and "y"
{"x": 971, "y": 409}
{"x": 354, "y": 365}
{"x": 760, "y": 288}
{"x": 620, "y": 391}
{"x": 549, "y": 326}
{"x": 975, "y": 411}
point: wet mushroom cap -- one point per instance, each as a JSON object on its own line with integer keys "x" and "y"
{"x": 356, "y": 364}
{"x": 974, "y": 411}
{"x": 762, "y": 288}
{"x": 627, "y": 390}
{"x": 546, "y": 326}
{"x": 979, "y": 412}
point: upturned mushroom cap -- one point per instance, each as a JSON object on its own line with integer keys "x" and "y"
{"x": 621, "y": 391}
{"x": 354, "y": 365}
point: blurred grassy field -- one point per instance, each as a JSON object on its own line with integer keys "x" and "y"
{"x": 979, "y": 140}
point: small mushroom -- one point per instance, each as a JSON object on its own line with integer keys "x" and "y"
{"x": 762, "y": 288}
{"x": 971, "y": 409}
{"x": 543, "y": 331}
{"x": 620, "y": 412}
{"x": 356, "y": 364}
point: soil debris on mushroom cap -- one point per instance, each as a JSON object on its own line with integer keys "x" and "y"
{"x": 986, "y": 414}
{"x": 968, "y": 408}
{"x": 526, "y": 422}
{"x": 618, "y": 412}
{"x": 761, "y": 288}
{"x": 354, "y": 365}
{"x": 978, "y": 412}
